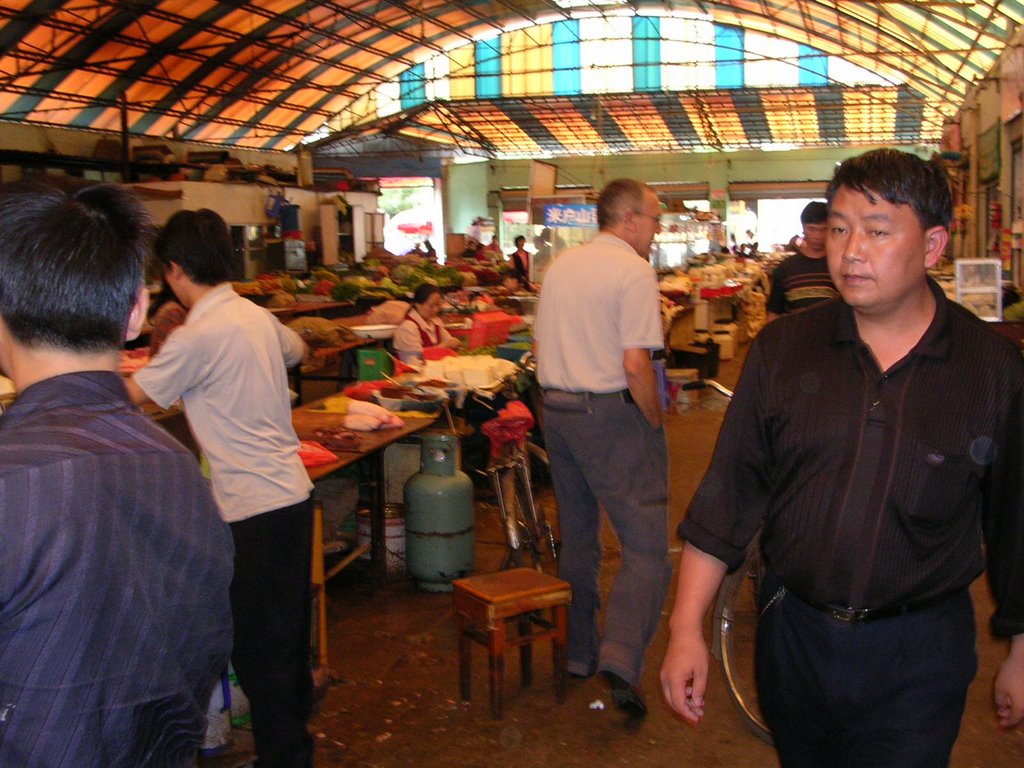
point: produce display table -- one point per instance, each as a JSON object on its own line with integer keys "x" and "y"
{"x": 306, "y": 420}
{"x": 323, "y": 353}
{"x": 328, "y": 309}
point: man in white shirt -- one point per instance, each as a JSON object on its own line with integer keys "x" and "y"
{"x": 598, "y": 320}
{"x": 228, "y": 365}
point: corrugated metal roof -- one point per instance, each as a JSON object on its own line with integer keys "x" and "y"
{"x": 270, "y": 74}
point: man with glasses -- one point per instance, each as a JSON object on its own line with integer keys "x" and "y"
{"x": 597, "y": 322}
{"x": 803, "y": 279}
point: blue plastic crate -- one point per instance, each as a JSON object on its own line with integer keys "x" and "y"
{"x": 511, "y": 351}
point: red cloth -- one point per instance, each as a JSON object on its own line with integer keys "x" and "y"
{"x": 364, "y": 390}
{"x": 314, "y": 455}
{"x": 401, "y": 367}
{"x": 719, "y": 293}
{"x": 438, "y": 353}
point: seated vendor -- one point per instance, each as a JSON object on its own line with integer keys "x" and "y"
{"x": 422, "y": 328}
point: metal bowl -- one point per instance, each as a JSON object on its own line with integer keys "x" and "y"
{"x": 374, "y": 331}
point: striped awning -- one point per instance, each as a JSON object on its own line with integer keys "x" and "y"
{"x": 505, "y": 78}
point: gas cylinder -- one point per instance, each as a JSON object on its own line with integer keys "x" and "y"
{"x": 439, "y": 517}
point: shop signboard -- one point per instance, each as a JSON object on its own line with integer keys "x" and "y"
{"x": 988, "y": 154}
{"x": 570, "y": 216}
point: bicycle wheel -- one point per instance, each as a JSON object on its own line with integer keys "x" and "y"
{"x": 735, "y": 626}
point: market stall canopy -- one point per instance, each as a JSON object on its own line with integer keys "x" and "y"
{"x": 499, "y": 78}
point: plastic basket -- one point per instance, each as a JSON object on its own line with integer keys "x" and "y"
{"x": 513, "y": 351}
{"x": 489, "y": 328}
{"x": 373, "y": 364}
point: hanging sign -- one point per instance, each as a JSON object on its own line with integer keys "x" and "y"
{"x": 580, "y": 216}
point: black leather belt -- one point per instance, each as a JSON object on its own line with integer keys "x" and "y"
{"x": 859, "y": 615}
{"x": 622, "y": 396}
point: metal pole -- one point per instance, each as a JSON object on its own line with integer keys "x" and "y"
{"x": 126, "y": 165}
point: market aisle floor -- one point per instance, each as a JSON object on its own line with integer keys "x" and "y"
{"x": 394, "y": 698}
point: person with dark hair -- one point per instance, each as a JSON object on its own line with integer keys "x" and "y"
{"x": 803, "y": 280}
{"x": 114, "y": 619}
{"x": 165, "y": 314}
{"x": 422, "y": 328}
{"x": 598, "y": 320}
{"x": 228, "y": 364}
{"x": 520, "y": 259}
{"x": 875, "y": 441}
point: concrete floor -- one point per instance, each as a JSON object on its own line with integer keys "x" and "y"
{"x": 393, "y": 700}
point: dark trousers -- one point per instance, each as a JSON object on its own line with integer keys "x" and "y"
{"x": 881, "y": 694}
{"x": 270, "y": 605}
{"x": 604, "y": 455}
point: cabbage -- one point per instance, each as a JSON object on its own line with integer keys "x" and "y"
{"x": 360, "y": 280}
{"x": 346, "y": 292}
{"x": 1014, "y": 312}
{"x": 403, "y": 273}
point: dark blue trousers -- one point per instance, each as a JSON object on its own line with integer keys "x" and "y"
{"x": 881, "y": 694}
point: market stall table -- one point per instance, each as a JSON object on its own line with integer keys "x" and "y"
{"x": 306, "y": 419}
{"x": 323, "y": 353}
{"x": 327, "y": 309}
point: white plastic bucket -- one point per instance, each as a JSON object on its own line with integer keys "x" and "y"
{"x": 394, "y": 538}
{"x": 726, "y": 345}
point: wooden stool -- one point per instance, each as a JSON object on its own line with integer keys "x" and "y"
{"x": 484, "y": 604}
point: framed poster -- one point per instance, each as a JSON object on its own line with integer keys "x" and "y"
{"x": 988, "y": 154}
{"x": 979, "y": 287}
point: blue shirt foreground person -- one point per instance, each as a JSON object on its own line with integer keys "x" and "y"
{"x": 114, "y": 564}
{"x": 876, "y": 440}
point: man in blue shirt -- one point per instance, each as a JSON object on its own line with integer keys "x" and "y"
{"x": 114, "y": 564}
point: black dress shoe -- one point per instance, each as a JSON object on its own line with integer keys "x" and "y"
{"x": 626, "y": 697}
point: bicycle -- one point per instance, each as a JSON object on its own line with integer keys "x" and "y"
{"x": 734, "y": 620}
{"x": 527, "y": 532}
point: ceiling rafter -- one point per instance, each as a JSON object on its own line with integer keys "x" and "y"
{"x": 262, "y": 74}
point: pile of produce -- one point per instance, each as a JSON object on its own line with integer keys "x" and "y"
{"x": 368, "y": 280}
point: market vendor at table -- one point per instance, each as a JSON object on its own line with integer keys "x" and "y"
{"x": 228, "y": 365}
{"x": 422, "y": 328}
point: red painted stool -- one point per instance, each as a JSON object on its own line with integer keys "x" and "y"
{"x": 486, "y": 603}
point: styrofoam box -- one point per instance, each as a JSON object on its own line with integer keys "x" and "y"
{"x": 433, "y": 369}
{"x": 726, "y": 345}
{"x": 701, "y": 315}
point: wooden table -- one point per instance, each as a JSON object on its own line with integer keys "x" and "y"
{"x": 328, "y": 309}
{"x": 322, "y": 353}
{"x": 307, "y": 419}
